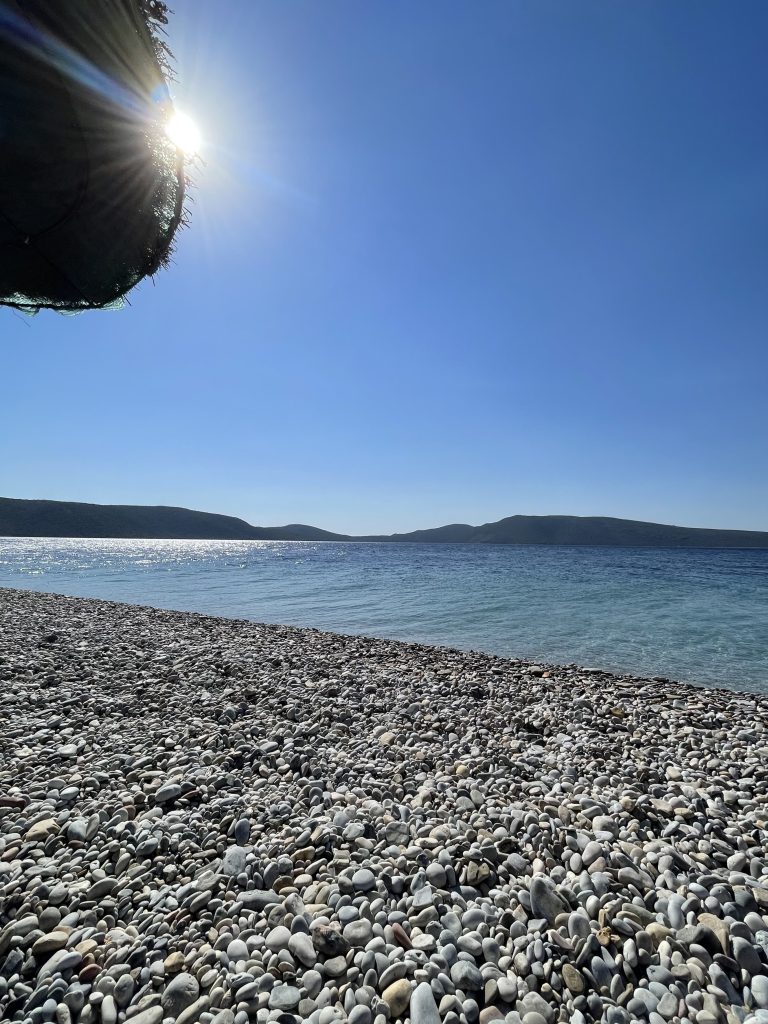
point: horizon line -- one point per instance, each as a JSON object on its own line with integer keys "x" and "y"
{"x": 396, "y": 533}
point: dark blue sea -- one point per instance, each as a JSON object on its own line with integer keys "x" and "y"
{"x": 696, "y": 616}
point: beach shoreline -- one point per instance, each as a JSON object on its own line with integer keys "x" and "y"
{"x": 229, "y": 821}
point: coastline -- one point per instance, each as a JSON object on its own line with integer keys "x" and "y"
{"x": 227, "y": 821}
{"x": 687, "y": 616}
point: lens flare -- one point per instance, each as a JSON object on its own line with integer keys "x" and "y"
{"x": 183, "y": 133}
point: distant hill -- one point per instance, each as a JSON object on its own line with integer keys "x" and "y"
{"x": 23, "y": 518}
{"x": 591, "y": 530}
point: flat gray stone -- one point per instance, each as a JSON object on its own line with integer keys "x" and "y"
{"x": 258, "y": 899}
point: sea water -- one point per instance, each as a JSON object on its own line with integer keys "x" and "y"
{"x": 695, "y": 615}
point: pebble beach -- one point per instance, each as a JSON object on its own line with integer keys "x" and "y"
{"x": 212, "y": 821}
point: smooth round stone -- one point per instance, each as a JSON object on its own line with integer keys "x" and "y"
{"x": 572, "y": 978}
{"x": 601, "y": 973}
{"x": 604, "y": 823}
{"x": 170, "y": 791}
{"x": 50, "y": 943}
{"x": 49, "y": 918}
{"x": 437, "y": 875}
{"x": 124, "y": 991}
{"x": 661, "y": 975}
{"x": 423, "y": 1008}
{"x": 752, "y": 920}
{"x": 49, "y": 1009}
{"x": 490, "y": 1013}
{"x": 108, "y": 1010}
{"x": 759, "y": 986}
{"x": 278, "y": 938}
{"x": 545, "y": 902}
{"x": 361, "y": 1015}
{"x": 358, "y": 933}
{"x": 491, "y": 951}
{"x": 179, "y": 993}
{"x": 397, "y": 996}
{"x": 300, "y": 945}
{"x": 237, "y": 950}
{"x": 284, "y": 997}
{"x": 397, "y": 833}
{"x": 595, "y": 1005}
{"x": 242, "y": 831}
{"x": 616, "y": 1015}
{"x": 471, "y": 943}
{"x": 364, "y": 880}
{"x": 335, "y": 967}
{"x": 247, "y": 992}
{"x": 507, "y": 989}
{"x": 222, "y": 1017}
{"x": 745, "y": 955}
{"x": 313, "y": 982}
{"x": 471, "y": 1010}
{"x": 472, "y": 918}
{"x": 534, "y": 1003}
{"x": 642, "y": 1002}
{"x": 578, "y": 926}
{"x": 152, "y": 1015}
{"x": 591, "y": 852}
{"x": 667, "y": 1005}
{"x": 466, "y": 976}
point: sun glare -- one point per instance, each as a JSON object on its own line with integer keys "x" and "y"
{"x": 183, "y": 133}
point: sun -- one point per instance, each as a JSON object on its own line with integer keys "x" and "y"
{"x": 183, "y": 133}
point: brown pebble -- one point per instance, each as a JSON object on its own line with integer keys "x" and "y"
{"x": 89, "y": 974}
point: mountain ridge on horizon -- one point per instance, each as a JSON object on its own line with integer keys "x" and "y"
{"x": 23, "y": 517}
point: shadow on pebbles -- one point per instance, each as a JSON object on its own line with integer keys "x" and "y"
{"x": 214, "y": 822}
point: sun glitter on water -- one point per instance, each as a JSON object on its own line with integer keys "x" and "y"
{"x": 184, "y": 133}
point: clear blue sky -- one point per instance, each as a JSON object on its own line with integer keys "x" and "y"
{"x": 448, "y": 261}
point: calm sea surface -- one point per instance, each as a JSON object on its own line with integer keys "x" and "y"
{"x": 699, "y": 616}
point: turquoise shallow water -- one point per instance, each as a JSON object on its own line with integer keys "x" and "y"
{"x": 697, "y": 616}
